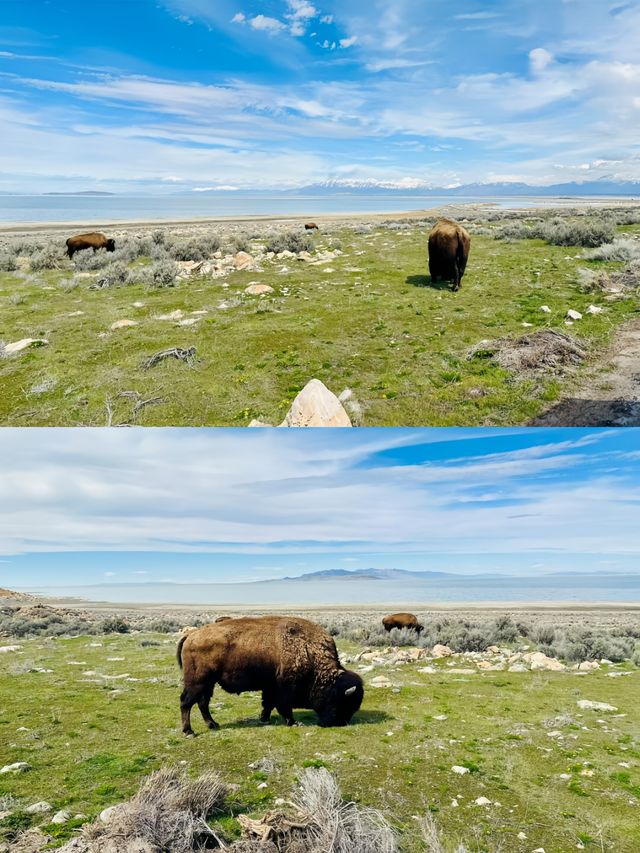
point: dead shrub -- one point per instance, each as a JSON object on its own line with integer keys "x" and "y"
{"x": 533, "y": 352}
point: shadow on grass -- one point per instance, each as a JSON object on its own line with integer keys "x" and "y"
{"x": 576, "y": 412}
{"x": 427, "y": 281}
{"x": 307, "y": 718}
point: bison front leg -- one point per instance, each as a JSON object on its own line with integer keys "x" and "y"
{"x": 285, "y": 709}
{"x": 268, "y": 704}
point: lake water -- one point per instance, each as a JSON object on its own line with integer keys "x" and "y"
{"x": 104, "y": 209}
{"x": 576, "y": 588}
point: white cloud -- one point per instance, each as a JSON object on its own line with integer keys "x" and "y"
{"x": 267, "y": 24}
{"x": 348, "y": 42}
{"x": 239, "y": 18}
{"x": 540, "y": 59}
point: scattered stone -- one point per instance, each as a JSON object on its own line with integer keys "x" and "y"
{"x": 107, "y": 814}
{"x": 573, "y": 315}
{"x": 25, "y": 343}
{"x": 316, "y": 406}
{"x": 588, "y": 666}
{"x": 380, "y": 681}
{"x": 461, "y": 771}
{"x": 123, "y": 324}
{"x": 173, "y": 315}
{"x": 546, "y": 309}
{"x": 483, "y": 801}
{"x": 440, "y": 651}
{"x": 5, "y": 649}
{"x": 588, "y": 705}
{"x": 41, "y": 807}
{"x": 441, "y": 717}
{"x": 190, "y": 321}
{"x": 594, "y": 309}
{"x": 540, "y": 661}
{"x": 17, "y": 767}
{"x": 256, "y": 289}
{"x": 61, "y": 817}
{"x": 521, "y": 836}
{"x": 243, "y": 261}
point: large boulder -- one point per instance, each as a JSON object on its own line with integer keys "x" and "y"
{"x": 316, "y": 406}
{"x": 539, "y": 661}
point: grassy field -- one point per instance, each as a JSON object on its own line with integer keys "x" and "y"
{"x": 369, "y": 319}
{"x": 94, "y": 715}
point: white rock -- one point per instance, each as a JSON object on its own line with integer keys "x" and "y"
{"x": 521, "y": 836}
{"x": 588, "y": 666}
{"x": 440, "y": 651}
{"x": 190, "y": 321}
{"x": 39, "y": 808}
{"x": 61, "y": 817}
{"x": 123, "y": 324}
{"x": 538, "y": 660}
{"x": 25, "y": 343}
{"x": 108, "y": 813}
{"x": 17, "y": 767}
{"x": 4, "y": 649}
{"x": 172, "y": 315}
{"x": 258, "y": 289}
{"x": 461, "y": 771}
{"x": 573, "y": 315}
{"x": 243, "y": 260}
{"x": 441, "y": 717}
{"x": 483, "y": 801}
{"x": 316, "y": 406}
{"x": 594, "y": 309}
{"x": 588, "y": 705}
{"x": 454, "y": 804}
{"x": 380, "y": 681}
{"x": 263, "y": 785}
{"x": 546, "y": 309}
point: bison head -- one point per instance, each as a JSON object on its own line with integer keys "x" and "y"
{"x": 342, "y": 700}
{"x": 111, "y": 245}
{"x": 419, "y": 628}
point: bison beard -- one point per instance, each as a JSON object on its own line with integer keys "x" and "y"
{"x": 293, "y": 662}
{"x": 449, "y": 245}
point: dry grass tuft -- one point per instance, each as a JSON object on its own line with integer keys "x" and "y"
{"x": 541, "y": 350}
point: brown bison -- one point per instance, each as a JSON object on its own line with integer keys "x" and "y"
{"x": 292, "y": 661}
{"x": 448, "y": 251}
{"x": 311, "y": 226}
{"x": 94, "y": 240}
{"x": 402, "y": 620}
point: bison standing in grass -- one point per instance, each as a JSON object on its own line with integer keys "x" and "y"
{"x": 293, "y": 662}
{"x": 449, "y": 245}
{"x": 94, "y": 240}
{"x": 402, "y": 620}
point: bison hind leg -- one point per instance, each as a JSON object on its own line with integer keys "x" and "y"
{"x": 285, "y": 709}
{"x": 203, "y": 704}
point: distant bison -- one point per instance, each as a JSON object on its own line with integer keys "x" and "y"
{"x": 402, "y": 620}
{"x": 94, "y": 240}
{"x": 448, "y": 251}
{"x": 311, "y": 226}
{"x": 292, "y": 661}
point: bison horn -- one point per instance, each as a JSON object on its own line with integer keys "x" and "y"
{"x": 350, "y": 690}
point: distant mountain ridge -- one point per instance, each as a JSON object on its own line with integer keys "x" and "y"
{"x": 599, "y": 187}
{"x": 369, "y": 574}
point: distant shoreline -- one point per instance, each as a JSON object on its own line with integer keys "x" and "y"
{"x": 443, "y": 607}
{"x": 9, "y": 226}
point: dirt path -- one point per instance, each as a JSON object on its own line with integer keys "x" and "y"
{"x": 610, "y": 396}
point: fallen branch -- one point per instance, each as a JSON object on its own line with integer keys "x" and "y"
{"x": 186, "y": 355}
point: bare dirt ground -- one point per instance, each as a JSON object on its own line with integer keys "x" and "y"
{"x": 611, "y": 394}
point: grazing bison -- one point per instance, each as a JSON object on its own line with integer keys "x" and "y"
{"x": 402, "y": 620}
{"x": 311, "y": 226}
{"x": 95, "y": 240}
{"x": 292, "y": 661}
{"x": 448, "y": 251}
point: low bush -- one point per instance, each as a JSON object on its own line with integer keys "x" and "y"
{"x": 620, "y": 250}
{"x": 8, "y": 263}
{"x": 51, "y": 257}
{"x": 195, "y": 248}
{"x": 115, "y": 625}
{"x": 289, "y": 241}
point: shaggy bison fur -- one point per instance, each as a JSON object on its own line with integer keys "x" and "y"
{"x": 402, "y": 620}
{"x": 449, "y": 245}
{"x": 293, "y": 662}
{"x": 94, "y": 240}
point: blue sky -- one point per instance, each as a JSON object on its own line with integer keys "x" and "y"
{"x": 189, "y": 94}
{"x": 122, "y": 506}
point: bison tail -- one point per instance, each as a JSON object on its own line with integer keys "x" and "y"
{"x": 179, "y": 650}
